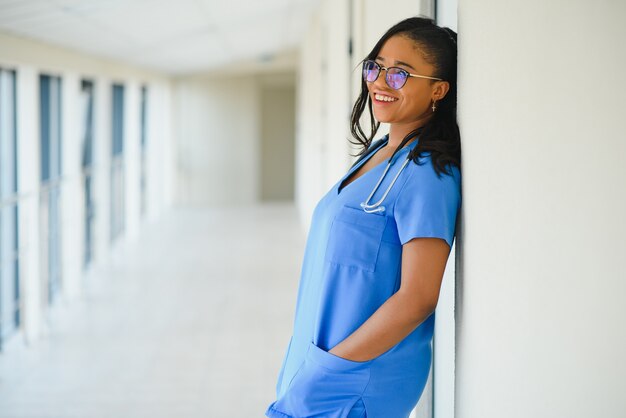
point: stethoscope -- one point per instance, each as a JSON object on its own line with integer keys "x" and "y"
{"x": 377, "y": 207}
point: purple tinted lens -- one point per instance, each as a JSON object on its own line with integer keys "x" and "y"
{"x": 370, "y": 71}
{"x": 395, "y": 79}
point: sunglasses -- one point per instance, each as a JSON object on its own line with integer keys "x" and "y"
{"x": 396, "y": 77}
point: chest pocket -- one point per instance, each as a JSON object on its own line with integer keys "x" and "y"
{"x": 355, "y": 238}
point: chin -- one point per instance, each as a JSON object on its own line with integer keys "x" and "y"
{"x": 383, "y": 118}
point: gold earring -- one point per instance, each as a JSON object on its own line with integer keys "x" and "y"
{"x": 434, "y": 107}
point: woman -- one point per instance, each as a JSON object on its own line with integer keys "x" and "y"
{"x": 379, "y": 241}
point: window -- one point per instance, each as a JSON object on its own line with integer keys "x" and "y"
{"x": 50, "y": 228}
{"x": 9, "y": 266}
{"x": 117, "y": 162}
{"x": 87, "y": 93}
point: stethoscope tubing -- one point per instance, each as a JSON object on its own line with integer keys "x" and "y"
{"x": 377, "y": 207}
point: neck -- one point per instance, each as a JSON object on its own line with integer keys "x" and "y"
{"x": 397, "y": 131}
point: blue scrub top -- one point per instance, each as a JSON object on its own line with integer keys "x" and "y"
{"x": 351, "y": 266}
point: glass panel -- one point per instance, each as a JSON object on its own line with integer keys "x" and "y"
{"x": 51, "y": 151}
{"x": 118, "y": 119}
{"x": 87, "y": 105}
{"x": 87, "y": 92}
{"x": 117, "y": 163}
{"x": 89, "y": 220}
{"x": 44, "y": 125}
{"x": 144, "y": 109}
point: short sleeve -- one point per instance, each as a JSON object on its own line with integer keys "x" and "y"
{"x": 427, "y": 205}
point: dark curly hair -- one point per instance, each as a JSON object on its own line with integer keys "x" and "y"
{"x": 440, "y": 135}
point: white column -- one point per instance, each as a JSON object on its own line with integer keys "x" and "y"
{"x": 155, "y": 142}
{"x": 29, "y": 174}
{"x": 162, "y": 151}
{"x": 309, "y": 153}
{"x": 445, "y": 326}
{"x": 72, "y": 190}
{"x": 336, "y": 100}
{"x": 132, "y": 156}
{"x": 102, "y": 169}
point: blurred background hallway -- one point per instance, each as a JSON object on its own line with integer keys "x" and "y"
{"x": 160, "y": 161}
{"x": 189, "y": 321}
{"x": 159, "y": 164}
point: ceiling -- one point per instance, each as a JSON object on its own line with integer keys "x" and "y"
{"x": 177, "y": 37}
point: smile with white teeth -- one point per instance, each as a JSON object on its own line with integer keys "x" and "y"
{"x": 384, "y": 98}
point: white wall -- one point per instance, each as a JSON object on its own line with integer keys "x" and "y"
{"x": 30, "y": 59}
{"x": 540, "y": 307}
{"x": 218, "y": 125}
{"x": 277, "y": 114}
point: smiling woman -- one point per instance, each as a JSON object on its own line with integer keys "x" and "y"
{"x": 371, "y": 273}
{"x": 395, "y": 100}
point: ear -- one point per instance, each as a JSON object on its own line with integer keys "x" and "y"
{"x": 440, "y": 89}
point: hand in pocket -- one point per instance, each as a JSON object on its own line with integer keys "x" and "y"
{"x": 325, "y": 385}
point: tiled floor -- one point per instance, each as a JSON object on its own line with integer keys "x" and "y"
{"x": 190, "y": 321}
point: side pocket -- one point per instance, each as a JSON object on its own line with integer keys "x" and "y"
{"x": 333, "y": 362}
{"x": 325, "y": 385}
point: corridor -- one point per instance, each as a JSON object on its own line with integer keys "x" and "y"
{"x": 191, "y": 320}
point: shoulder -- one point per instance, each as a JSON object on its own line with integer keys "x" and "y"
{"x": 427, "y": 204}
{"x": 422, "y": 173}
